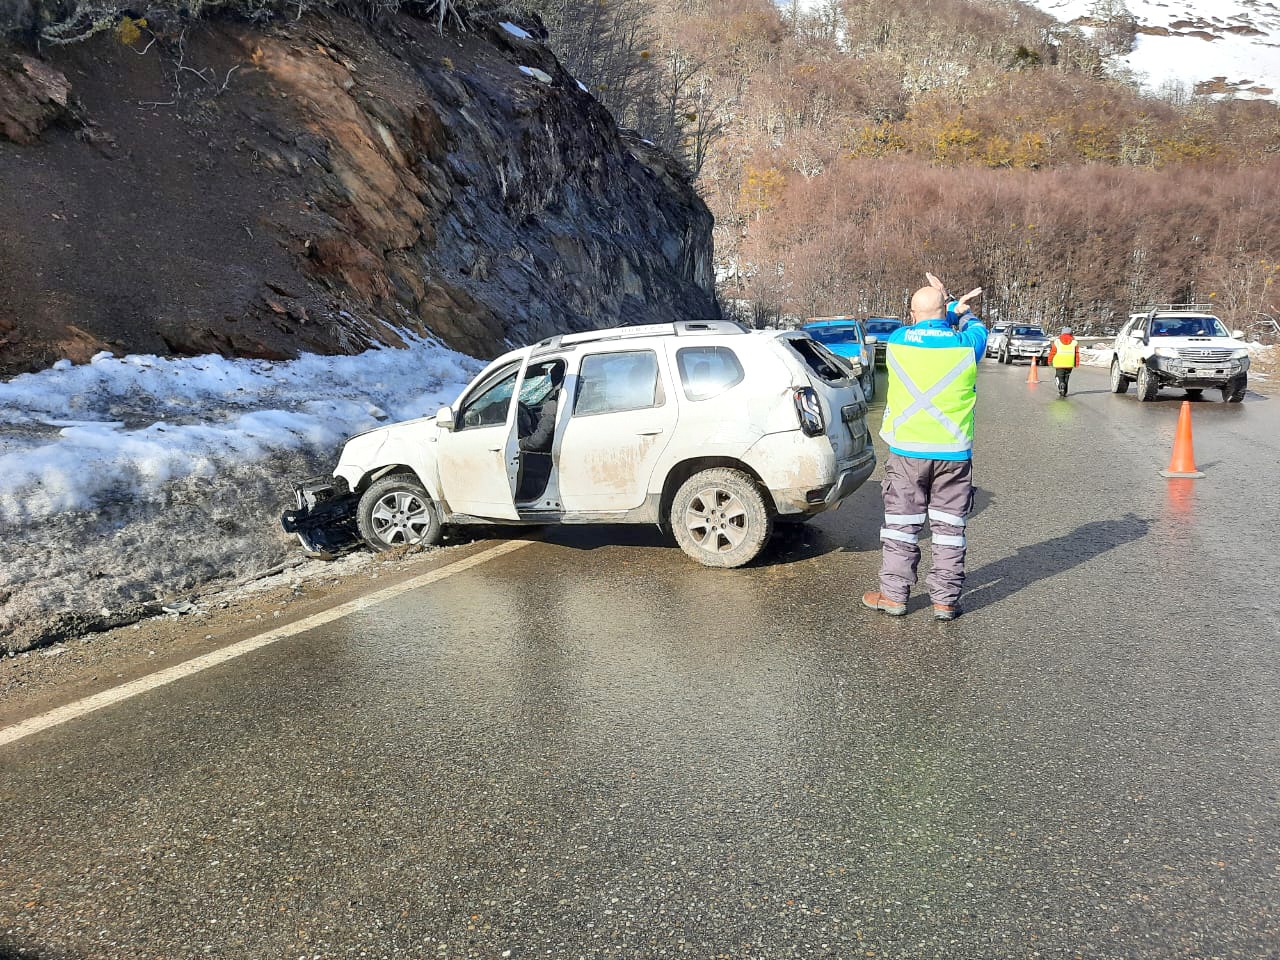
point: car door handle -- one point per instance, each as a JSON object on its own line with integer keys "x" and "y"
{"x": 648, "y": 433}
{"x": 495, "y": 449}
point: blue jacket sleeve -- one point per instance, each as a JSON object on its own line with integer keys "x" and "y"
{"x": 973, "y": 334}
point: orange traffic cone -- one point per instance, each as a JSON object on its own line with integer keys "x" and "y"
{"x": 1183, "y": 462}
{"x": 1033, "y": 375}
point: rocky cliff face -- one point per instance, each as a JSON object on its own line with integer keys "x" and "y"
{"x": 314, "y": 185}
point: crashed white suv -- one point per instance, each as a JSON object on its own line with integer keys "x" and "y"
{"x": 705, "y": 428}
{"x": 1182, "y": 348}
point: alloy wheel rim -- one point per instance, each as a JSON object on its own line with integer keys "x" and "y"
{"x": 400, "y": 517}
{"x": 716, "y": 519}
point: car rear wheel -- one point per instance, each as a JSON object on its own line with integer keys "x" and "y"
{"x": 1119, "y": 382}
{"x": 1148, "y": 385}
{"x": 720, "y": 518}
{"x": 869, "y": 385}
{"x": 396, "y": 511}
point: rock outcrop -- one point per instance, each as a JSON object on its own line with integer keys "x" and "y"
{"x": 315, "y": 185}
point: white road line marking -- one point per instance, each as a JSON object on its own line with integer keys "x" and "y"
{"x": 115, "y": 695}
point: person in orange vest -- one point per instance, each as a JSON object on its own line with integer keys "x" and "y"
{"x": 1064, "y": 356}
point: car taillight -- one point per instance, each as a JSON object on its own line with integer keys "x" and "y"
{"x": 810, "y": 412}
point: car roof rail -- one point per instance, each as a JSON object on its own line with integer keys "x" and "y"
{"x": 684, "y": 328}
{"x": 1150, "y": 308}
{"x": 567, "y": 341}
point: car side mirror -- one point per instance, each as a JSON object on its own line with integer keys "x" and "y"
{"x": 872, "y": 339}
{"x": 1238, "y": 334}
{"x": 1136, "y": 336}
{"x": 444, "y": 418}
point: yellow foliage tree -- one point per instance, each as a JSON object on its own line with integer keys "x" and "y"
{"x": 955, "y": 142}
{"x": 761, "y": 189}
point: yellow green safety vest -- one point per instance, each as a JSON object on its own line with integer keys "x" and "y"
{"x": 930, "y": 401}
{"x": 1064, "y": 353}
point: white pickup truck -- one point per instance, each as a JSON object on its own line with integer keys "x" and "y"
{"x": 1184, "y": 348}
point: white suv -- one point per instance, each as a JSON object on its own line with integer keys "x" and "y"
{"x": 1187, "y": 349}
{"x": 705, "y": 428}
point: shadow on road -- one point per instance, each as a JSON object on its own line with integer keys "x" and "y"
{"x": 1039, "y": 561}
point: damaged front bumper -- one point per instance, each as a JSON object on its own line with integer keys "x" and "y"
{"x": 325, "y": 517}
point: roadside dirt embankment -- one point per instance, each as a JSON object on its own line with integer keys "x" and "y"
{"x": 182, "y": 188}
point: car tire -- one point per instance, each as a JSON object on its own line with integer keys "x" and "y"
{"x": 1148, "y": 385}
{"x": 720, "y": 518}
{"x": 397, "y": 511}
{"x": 1119, "y": 382}
{"x": 1003, "y": 356}
{"x": 869, "y": 385}
{"x": 1233, "y": 390}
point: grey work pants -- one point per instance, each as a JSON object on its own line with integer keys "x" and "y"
{"x": 915, "y": 490}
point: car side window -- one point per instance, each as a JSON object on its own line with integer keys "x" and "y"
{"x": 489, "y": 404}
{"x": 707, "y": 372}
{"x": 615, "y": 382}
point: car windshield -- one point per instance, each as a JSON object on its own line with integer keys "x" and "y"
{"x": 1187, "y": 327}
{"x": 846, "y": 334}
{"x": 1028, "y": 332}
{"x": 883, "y": 326}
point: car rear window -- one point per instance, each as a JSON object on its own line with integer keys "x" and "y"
{"x": 819, "y": 359}
{"x": 707, "y": 372}
{"x": 614, "y": 382}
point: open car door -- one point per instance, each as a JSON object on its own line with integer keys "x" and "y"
{"x": 479, "y": 458}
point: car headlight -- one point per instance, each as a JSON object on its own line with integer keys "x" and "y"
{"x": 1240, "y": 353}
{"x": 1169, "y": 352}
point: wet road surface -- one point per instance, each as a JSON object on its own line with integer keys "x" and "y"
{"x": 591, "y": 747}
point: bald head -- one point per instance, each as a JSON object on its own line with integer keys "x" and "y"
{"x": 928, "y": 303}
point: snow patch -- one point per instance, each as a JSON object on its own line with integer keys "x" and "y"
{"x": 515, "y": 31}
{"x": 1243, "y": 52}
{"x": 129, "y": 480}
{"x": 186, "y": 416}
{"x": 536, "y": 74}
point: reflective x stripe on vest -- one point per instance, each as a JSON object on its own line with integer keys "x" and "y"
{"x": 930, "y": 401}
{"x": 1064, "y": 354}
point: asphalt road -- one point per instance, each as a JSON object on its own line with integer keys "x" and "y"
{"x": 591, "y": 747}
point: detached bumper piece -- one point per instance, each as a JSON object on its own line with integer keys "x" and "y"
{"x": 325, "y": 518}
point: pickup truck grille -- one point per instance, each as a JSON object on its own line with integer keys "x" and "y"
{"x": 1204, "y": 354}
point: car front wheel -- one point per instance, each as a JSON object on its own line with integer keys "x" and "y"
{"x": 1233, "y": 390}
{"x": 1148, "y": 385}
{"x": 720, "y": 518}
{"x": 396, "y": 511}
{"x": 1119, "y": 382}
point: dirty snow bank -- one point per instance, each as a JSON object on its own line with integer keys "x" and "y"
{"x": 127, "y": 481}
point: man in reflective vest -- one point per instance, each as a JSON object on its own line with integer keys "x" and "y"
{"x": 1064, "y": 356}
{"x": 928, "y": 424}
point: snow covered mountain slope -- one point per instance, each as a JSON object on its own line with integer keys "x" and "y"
{"x": 1208, "y": 46}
